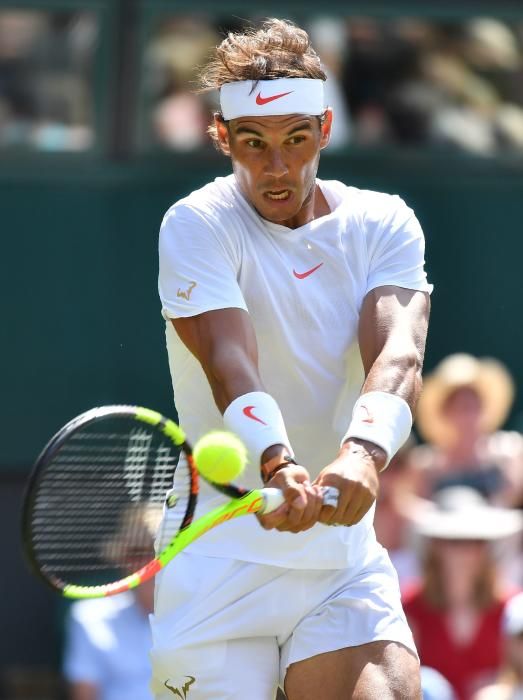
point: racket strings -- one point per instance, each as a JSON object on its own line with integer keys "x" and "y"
{"x": 98, "y": 506}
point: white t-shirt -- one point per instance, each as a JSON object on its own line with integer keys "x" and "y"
{"x": 108, "y": 644}
{"x": 303, "y": 289}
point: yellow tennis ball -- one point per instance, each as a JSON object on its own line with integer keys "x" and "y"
{"x": 220, "y": 456}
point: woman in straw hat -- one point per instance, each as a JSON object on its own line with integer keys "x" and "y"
{"x": 509, "y": 685}
{"x": 463, "y": 404}
{"x": 455, "y": 610}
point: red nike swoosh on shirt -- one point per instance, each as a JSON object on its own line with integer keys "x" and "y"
{"x": 264, "y": 100}
{"x": 247, "y": 411}
{"x": 303, "y": 275}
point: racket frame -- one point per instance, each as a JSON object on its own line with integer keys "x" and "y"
{"x": 51, "y": 450}
{"x": 242, "y": 502}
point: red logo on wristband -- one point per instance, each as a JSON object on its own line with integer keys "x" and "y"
{"x": 247, "y": 411}
{"x": 365, "y": 416}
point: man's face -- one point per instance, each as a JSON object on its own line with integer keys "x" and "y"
{"x": 275, "y": 160}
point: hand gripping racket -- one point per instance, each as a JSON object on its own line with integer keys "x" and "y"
{"x": 96, "y": 499}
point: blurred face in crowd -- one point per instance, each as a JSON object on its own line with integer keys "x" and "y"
{"x": 462, "y": 562}
{"x": 275, "y": 161}
{"x": 463, "y": 410}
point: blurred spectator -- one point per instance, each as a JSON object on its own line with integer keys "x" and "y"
{"x": 455, "y": 609}
{"x": 392, "y": 520}
{"x": 108, "y": 643}
{"x": 434, "y": 686}
{"x": 464, "y": 402}
{"x": 108, "y": 639}
{"x": 406, "y": 81}
{"x": 179, "y": 116}
{"x": 45, "y": 84}
{"x": 328, "y": 36}
{"x": 420, "y": 82}
{"x": 509, "y": 686}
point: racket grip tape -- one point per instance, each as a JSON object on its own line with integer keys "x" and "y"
{"x": 273, "y": 498}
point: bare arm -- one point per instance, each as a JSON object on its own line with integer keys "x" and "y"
{"x": 224, "y": 342}
{"x": 392, "y": 333}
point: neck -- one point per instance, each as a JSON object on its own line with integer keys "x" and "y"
{"x": 465, "y": 451}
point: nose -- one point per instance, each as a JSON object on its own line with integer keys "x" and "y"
{"x": 276, "y": 166}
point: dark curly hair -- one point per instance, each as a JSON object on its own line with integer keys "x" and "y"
{"x": 277, "y": 49}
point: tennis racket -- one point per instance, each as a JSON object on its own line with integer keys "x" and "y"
{"x": 108, "y": 483}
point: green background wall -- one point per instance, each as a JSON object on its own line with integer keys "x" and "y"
{"x": 81, "y": 315}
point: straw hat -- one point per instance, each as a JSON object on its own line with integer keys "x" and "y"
{"x": 461, "y": 513}
{"x": 488, "y": 377}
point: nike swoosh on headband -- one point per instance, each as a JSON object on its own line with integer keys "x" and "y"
{"x": 264, "y": 100}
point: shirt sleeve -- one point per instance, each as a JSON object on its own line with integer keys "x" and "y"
{"x": 396, "y": 246}
{"x": 81, "y": 661}
{"x": 198, "y": 265}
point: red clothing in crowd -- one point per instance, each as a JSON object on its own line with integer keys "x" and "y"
{"x": 465, "y": 666}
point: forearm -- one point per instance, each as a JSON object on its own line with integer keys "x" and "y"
{"x": 398, "y": 374}
{"x": 230, "y": 374}
{"x": 392, "y": 335}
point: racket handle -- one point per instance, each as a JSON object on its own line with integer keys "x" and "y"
{"x": 273, "y": 498}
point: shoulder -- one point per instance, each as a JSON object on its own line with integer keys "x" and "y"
{"x": 377, "y": 207}
{"x": 496, "y": 691}
{"x": 213, "y": 202}
{"x": 505, "y": 444}
{"x": 424, "y": 457}
{"x": 378, "y": 214}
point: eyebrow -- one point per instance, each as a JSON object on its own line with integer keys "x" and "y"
{"x": 306, "y": 126}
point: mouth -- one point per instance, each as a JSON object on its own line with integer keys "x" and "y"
{"x": 278, "y": 195}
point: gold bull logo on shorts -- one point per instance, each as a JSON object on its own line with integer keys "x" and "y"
{"x": 184, "y": 690}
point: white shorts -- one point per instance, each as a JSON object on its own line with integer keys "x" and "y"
{"x": 230, "y": 628}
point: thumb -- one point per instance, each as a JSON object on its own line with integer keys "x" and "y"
{"x": 293, "y": 487}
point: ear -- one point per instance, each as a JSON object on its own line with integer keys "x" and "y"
{"x": 326, "y": 128}
{"x": 222, "y": 133}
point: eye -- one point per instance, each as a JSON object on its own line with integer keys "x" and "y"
{"x": 254, "y": 143}
{"x": 295, "y": 140}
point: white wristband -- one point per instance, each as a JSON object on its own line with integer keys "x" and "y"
{"x": 382, "y": 418}
{"x": 257, "y": 420}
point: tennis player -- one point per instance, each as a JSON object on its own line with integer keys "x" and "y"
{"x": 296, "y": 314}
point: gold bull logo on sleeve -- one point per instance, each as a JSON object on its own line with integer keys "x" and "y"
{"x": 183, "y": 691}
{"x": 186, "y": 294}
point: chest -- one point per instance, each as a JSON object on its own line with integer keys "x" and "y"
{"x": 316, "y": 280}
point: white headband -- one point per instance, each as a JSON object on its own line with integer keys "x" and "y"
{"x": 266, "y": 98}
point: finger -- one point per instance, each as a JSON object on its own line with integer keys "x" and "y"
{"x": 328, "y": 515}
{"x": 304, "y": 519}
{"x": 331, "y": 515}
{"x": 361, "y": 511}
{"x": 274, "y": 519}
